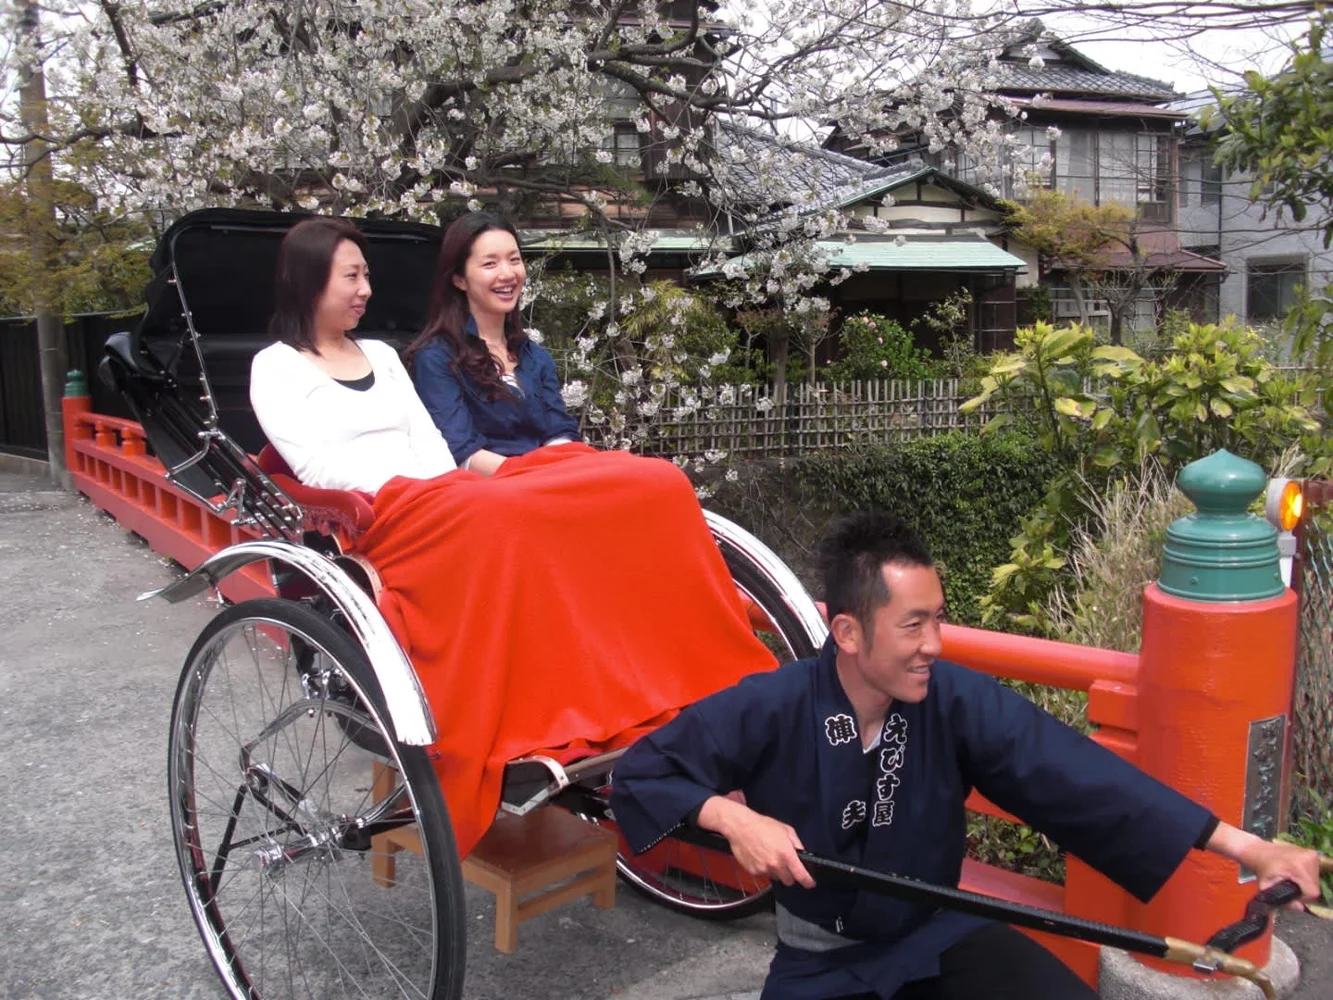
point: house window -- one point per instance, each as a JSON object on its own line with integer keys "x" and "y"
{"x": 964, "y": 168}
{"x": 1034, "y": 158}
{"x": 624, "y": 146}
{"x": 1188, "y": 185}
{"x": 1135, "y": 169}
{"x": 1271, "y": 288}
{"x": 1200, "y": 179}
{"x": 1210, "y": 187}
{"x": 1152, "y": 167}
{"x": 1076, "y": 171}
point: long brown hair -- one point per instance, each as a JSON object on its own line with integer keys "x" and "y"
{"x": 305, "y": 260}
{"x": 448, "y": 312}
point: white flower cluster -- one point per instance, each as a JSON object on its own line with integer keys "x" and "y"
{"x": 575, "y": 394}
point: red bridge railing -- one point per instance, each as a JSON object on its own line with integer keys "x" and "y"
{"x": 108, "y": 460}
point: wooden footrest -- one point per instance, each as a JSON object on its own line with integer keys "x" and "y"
{"x": 536, "y": 862}
{"x": 530, "y": 863}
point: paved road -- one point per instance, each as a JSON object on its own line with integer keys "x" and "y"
{"x": 90, "y": 901}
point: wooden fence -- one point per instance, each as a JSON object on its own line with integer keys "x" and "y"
{"x": 22, "y": 419}
{"x": 754, "y": 422}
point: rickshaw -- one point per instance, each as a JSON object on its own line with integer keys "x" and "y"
{"x": 300, "y": 736}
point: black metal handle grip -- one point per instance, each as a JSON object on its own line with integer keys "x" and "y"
{"x": 1257, "y": 913}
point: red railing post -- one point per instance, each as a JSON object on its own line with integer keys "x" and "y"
{"x": 76, "y": 400}
{"x": 1217, "y": 667}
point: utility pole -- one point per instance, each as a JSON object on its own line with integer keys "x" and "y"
{"x": 41, "y": 215}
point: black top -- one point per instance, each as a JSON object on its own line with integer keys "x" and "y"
{"x": 359, "y": 384}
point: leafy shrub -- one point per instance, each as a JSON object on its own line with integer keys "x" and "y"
{"x": 1111, "y": 560}
{"x": 669, "y": 333}
{"x": 965, "y": 493}
{"x": 1103, "y": 410}
{"x": 877, "y": 348}
{"x": 949, "y": 321}
{"x": 1038, "y": 302}
{"x": 1315, "y": 830}
{"x": 1014, "y": 847}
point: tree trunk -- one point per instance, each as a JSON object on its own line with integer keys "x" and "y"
{"x": 1080, "y": 300}
{"x": 52, "y": 355}
{"x": 1117, "y": 323}
{"x": 780, "y": 346}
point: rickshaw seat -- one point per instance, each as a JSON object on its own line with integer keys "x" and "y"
{"x": 346, "y": 510}
{"x": 199, "y": 457}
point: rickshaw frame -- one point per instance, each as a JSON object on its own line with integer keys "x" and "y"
{"x": 309, "y": 570}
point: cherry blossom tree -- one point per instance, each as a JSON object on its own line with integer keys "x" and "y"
{"x": 607, "y": 114}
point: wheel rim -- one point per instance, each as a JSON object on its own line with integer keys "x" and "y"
{"x": 275, "y": 813}
{"x": 695, "y": 879}
{"x": 692, "y": 878}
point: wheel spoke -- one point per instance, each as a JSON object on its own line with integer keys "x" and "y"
{"x": 274, "y": 742}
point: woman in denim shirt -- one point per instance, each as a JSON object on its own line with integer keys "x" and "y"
{"x": 491, "y": 391}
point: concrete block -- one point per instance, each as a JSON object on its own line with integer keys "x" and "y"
{"x": 1123, "y": 977}
{"x": 20, "y": 465}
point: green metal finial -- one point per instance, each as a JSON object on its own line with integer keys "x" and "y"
{"x": 76, "y": 384}
{"x": 1221, "y": 553}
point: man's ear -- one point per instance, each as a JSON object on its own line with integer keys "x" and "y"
{"x": 846, "y": 632}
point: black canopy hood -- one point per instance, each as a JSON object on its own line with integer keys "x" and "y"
{"x": 224, "y": 261}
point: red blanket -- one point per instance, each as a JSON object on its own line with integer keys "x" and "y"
{"x": 571, "y": 602}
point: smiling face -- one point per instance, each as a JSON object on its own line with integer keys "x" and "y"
{"x": 888, "y": 657}
{"x": 493, "y": 274}
{"x": 343, "y": 301}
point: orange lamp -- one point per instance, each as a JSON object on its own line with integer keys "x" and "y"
{"x": 1285, "y": 503}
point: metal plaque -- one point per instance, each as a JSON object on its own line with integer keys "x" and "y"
{"x": 1263, "y": 780}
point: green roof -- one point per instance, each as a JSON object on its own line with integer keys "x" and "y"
{"x": 920, "y": 254}
{"x": 666, "y": 243}
{"x": 912, "y": 255}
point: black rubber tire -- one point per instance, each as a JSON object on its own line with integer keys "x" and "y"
{"x": 290, "y": 908}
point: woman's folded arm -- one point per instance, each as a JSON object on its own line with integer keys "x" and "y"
{"x": 438, "y": 386}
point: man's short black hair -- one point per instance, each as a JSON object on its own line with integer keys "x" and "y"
{"x": 852, "y": 555}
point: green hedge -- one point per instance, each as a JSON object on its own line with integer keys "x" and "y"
{"x": 964, "y": 492}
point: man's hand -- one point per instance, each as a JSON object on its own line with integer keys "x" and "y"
{"x": 1271, "y": 861}
{"x": 762, "y": 845}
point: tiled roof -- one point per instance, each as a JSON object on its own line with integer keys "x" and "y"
{"x": 766, "y": 171}
{"x": 1119, "y": 109}
{"x": 1059, "y": 78}
{"x": 1168, "y": 260}
{"x": 769, "y": 172}
{"x": 563, "y": 241}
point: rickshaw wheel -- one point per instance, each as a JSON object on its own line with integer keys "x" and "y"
{"x": 696, "y": 880}
{"x": 291, "y": 804}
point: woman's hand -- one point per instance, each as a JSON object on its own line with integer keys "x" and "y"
{"x": 762, "y": 845}
{"x": 485, "y": 462}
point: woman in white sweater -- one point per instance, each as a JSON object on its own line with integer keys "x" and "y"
{"x": 342, "y": 412}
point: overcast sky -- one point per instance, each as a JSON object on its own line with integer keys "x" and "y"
{"x": 1211, "y": 57}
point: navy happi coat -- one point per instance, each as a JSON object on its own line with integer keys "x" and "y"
{"x": 789, "y": 740}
